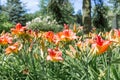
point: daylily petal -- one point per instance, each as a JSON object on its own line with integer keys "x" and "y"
{"x": 54, "y": 55}
{"x": 100, "y": 45}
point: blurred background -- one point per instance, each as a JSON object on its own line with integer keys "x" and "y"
{"x": 53, "y": 14}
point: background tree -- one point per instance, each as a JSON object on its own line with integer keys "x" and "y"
{"x": 99, "y": 15}
{"x": 15, "y": 11}
{"x": 4, "y": 23}
{"x": 62, "y": 11}
{"x": 79, "y": 17}
{"x": 115, "y": 6}
{"x": 29, "y": 16}
{"x": 86, "y": 18}
{"x": 0, "y": 6}
{"x": 43, "y": 7}
{"x": 114, "y": 13}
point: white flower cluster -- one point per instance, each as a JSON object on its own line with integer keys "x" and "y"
{"x": 41, "y": 19}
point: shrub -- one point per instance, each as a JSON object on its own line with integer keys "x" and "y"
{"x": 5, "y": 26}
{"x": 4, "y": 23}
{"x": 44, "y": 24}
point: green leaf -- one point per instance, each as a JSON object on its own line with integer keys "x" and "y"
{"x": 115, "y": 73}
{"x": 116, "y": 61}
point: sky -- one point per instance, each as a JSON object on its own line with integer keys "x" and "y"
{"x": 32, "y": 5}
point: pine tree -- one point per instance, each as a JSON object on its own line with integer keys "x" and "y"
{"x": 0, "y": 7}
{"x": 99, "y": 15}
{"x": 61, "y": 10}
{"x": 15, "y": 11}
{"x": 79, "y": 17}
{"x": 43, "y": 6}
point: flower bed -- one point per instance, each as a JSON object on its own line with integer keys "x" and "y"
{"x": 33, "y": 55}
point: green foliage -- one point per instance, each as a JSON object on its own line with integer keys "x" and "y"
{"x": 79, "y": 17}
{"x": 30, "y": 16}
{"x": 4, "y": 24}
{"x": 15, "y": 11}
{"x": 45, "y": 27}
{"x": 99, "y": 16}
{"x": 44, "y": 24}
{"x": 43, "y": 6}
{"x": 61, "y": 10}
{"x": 113, "y": 13}
{"x": 115, "y": 6}
{"x": 30, "y": 63}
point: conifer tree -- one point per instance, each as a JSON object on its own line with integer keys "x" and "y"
{"x": 61, "y": 10}
{"x": 99, "y": 15}
{"x": 15, "y": 11}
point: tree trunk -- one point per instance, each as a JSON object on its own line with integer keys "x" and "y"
{"x": 86, "y": 18}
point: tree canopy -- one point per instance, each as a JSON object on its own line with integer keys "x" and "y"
{"x": 15, "y": 11}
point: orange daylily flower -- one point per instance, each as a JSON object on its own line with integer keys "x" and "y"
{"x": 12, "y": 49}
{"x": 60, "y": 36}
{"x": 66, "y": 35}
{"x": 54, "y": 55}
{"x": 19, "y": 29}
{"x": 50, "y": 36}
{"x": 72, "y": 53}
{"x": 114, "y": 36}
{"x": 100, "y": 45}
{"x": 117, "y": 32}
{"x": 66, "y": 26}
{"x": 83, "y": 45}
{"x": 5, "y": 39}
{"x": 69, "y": 34}
{"x": 32, "y": 33}
{"x": 88, "y": 41}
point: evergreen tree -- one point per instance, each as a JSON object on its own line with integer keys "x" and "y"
{"x": 15, "y": 11}
{"x": 79, "y": 17}
{"x": 43, "y": 7}
{"x": 0, "y": 7}
{"x": 99, "y": 15}
{"x": 61, "y": 10}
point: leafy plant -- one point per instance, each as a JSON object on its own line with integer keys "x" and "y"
{"x": 32, "y": 55}
{"x": 44, "y": 24}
